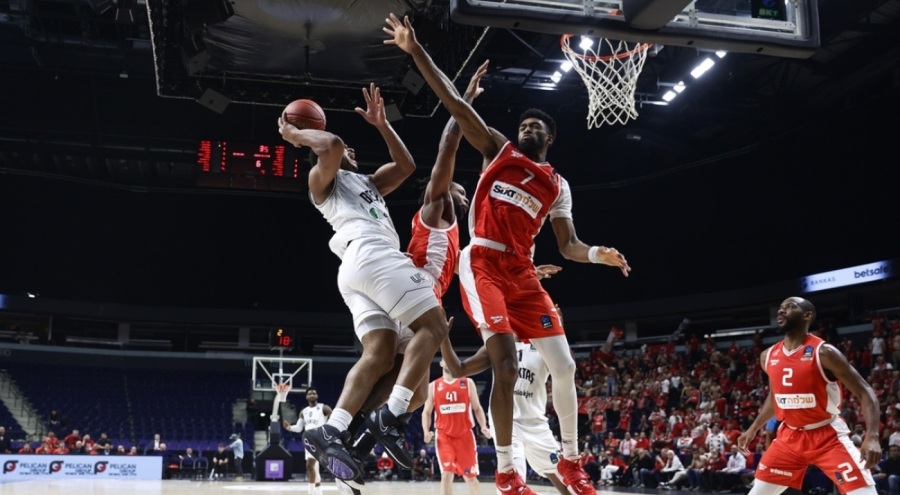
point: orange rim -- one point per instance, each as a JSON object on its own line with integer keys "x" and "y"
{"x": 606, "y": 58}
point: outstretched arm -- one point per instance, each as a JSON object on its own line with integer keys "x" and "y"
{"x": 473, "y": 127}
{"x": 328, "y": 148}
{"x": 573, "y": 249}
{"x": 479, "y": 361}
{"x": 835, "y": 362}
{"x": 442, "y": 173}
{"x": 390, "y": 175}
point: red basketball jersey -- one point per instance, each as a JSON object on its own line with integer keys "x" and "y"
{"x": 512, "y": 199}
{"x": 435, "y": 250}
{"x": 803, "y": 394}
{"x": 452, "y": 411}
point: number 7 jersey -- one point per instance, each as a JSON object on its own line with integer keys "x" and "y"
{"x": 513, "y": 198}
{"x": 803, "y": 393}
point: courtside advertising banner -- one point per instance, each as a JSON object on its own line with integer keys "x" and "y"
{"x": 31, "y": 467}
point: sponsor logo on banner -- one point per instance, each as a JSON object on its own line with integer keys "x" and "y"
{"x": 15, "y": 467}
{"x": 848, "y": 276}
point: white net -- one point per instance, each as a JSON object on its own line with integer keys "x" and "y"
{"x": 610, "y": 71}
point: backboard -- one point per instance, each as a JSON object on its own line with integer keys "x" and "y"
{"x": 269, "y": 370}
{"x": 783, "y": 28}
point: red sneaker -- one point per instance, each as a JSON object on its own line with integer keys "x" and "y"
{"x": 574, "y": 477}
{"x": 510, "y": 483}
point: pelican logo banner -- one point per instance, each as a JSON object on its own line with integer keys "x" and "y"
{"x": 55, "y": 466}
{"x": 100, "y": 467}
{"x": 9, "y": 466}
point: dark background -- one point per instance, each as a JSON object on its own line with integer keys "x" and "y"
{"x": 767, "y": 170}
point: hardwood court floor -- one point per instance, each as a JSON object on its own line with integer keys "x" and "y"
{"x": 187, "y": 487}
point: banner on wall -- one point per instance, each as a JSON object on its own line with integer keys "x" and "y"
{"x": 848, "y": 276}
{"x": 22, "y": 467}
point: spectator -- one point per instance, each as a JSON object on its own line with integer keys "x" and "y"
{"x": 120, "y": 450}
{"x": 55, "y": 420}
{"x": 70, "y": 439}
{"x": 716, "y": 440}
{"x": 385, "y": 467}
{"x": 887, "y": 473}
{"x": 154, "y": 447}
{"x": 220, "y": 462}
{"x": 45, "y": 448}
{"x": 26, "y": 449}
{"x": 696, "y": 468}
{"x": 730, "y": 476}
{"x": 78, "y": 448}
{"x": 133, "y": 450}
{"x": 5, "y": 445}
{"x": 627, "y": 446}
{"x": 88, "y": 442}
{"x": 423, "y": 466}
{"x": 103, "y": 445}
{"x": 237, "y": 448}
{"x": 673, "y": 467}
{"x": 613, "y": 469}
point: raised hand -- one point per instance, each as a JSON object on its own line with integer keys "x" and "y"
{"x": 374, "y": 112}
{"x": 289, "y": 132}
{"x": 402, "y": 32}
{"x": 474, "y": 89}
{"x": 612, "y": 257}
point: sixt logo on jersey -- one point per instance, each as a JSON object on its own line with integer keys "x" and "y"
{"x": 513, "y": 195}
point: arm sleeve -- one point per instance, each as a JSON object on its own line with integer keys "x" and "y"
{"x": 562, "y": 207}
{"x": 298, "y": 426}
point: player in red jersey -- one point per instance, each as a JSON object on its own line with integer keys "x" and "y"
{"x": 516, "y": 193}
{"x": 805, "y": 378}
{"x": 454, "y": 402}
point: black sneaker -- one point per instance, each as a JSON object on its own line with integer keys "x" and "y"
{"x": 326, "y": 444}
{"x": 390, "y": 431}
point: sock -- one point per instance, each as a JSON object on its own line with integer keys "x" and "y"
{"x": 504, "y": 458}
{"x": 340, "y": 418}
{"x": 358, "y": 421}
{"x": 570, "y": 449}
{"x": 399, "y": 401}
{"x": 312, "y": 488}
{"x": 365, "y": 443}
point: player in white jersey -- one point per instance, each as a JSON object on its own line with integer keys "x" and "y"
{"x": 382, "y": 288}
{"x": 532, "y": 440}
{"x": 312, "y": 416}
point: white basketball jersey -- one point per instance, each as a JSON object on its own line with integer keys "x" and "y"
{"x": 355, "y": 209}
{"x": 530, "y": 394}
{"x": 313, "y": 416}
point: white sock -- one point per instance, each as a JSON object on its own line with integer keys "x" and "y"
{"x": 340, "y": 419}
{"x": 504, "y": 458}
{"x": 399, "y": 400}
{"x": 311, "y": 488}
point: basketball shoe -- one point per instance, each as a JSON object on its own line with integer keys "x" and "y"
{"x": 327, "y": 445}
{"x": 574, "y": 477}
{"x": 390, "y": 431}
{"x": 510, "y": 483}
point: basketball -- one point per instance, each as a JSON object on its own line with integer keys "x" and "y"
{"x": 305, "y": 114}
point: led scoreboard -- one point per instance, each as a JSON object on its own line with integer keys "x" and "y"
{"x": 282, "y": 338}
{"x": 272, "y": 167}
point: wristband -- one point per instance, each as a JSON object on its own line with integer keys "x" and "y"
{"x": 592, "y": 254}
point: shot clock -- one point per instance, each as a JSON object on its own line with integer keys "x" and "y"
{"x": 282, "y": 338}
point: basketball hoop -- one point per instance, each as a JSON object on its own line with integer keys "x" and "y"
{"x": 610, "y": 72}
{"x": 281, "y": 391}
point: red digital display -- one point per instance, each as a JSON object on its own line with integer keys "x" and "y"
{"x": 280, "y": 338}
{"x": 225, "y": 157}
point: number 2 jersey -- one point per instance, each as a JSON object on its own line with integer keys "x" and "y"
{"x": 802, "y": 392}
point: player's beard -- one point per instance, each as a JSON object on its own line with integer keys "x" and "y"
{"x": 790, "y": 324}
{"x": 531, "y": 147}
